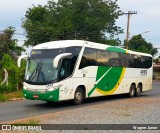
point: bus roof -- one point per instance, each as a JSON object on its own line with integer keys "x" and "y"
{"x": 69, "y": 43}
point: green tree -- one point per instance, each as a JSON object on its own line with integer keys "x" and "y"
{"x": 15, "y": 74}
{"x": 157, "y": 60}
{"x": 139, "y": 44}
{"x": 72, "y": 19}
{"x": 8, "y": 45}
{"x": 10, "y": 65}
{"x": 9, "y": 50}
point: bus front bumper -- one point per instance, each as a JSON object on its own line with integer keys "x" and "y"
{"x": 45, "y": 96}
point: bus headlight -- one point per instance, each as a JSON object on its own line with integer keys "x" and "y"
{"x": 25, "y": 87}
{"x": 50, "y": 89}
{"x": 54, "y": 88}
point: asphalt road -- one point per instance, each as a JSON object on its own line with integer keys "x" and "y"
{"x": 27, "y": 108}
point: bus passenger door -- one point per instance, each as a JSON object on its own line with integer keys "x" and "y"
{"x": 65, "y": 80}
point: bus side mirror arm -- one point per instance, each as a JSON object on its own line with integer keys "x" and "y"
{"x": 58, "y": 57}
{"x": 20, "y": 58}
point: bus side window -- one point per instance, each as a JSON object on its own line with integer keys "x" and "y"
{"x": 143, "y": 62}
{"x": 68, "y": 64}
{"x": 137, "y": 61}
{"x": 88, "y": 58}
{"x": 114, "y": 59}
{"x": 102, "y": 58}
{"x": 65, "y": 69}
{"x": 124, "y": 61}
{"x": 146, "y": 61}
{"x": 130, "y": 60}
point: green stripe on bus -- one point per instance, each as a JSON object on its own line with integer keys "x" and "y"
{"x": 110, "y": 80}
{"x": 115, "y": 49}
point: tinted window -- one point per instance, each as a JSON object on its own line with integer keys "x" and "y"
{"x": 130, "y": 60}
{"x": 137, "y": 61}
{"x": 146, "y": 62}
{"x": 68, "y": 63}
{"x": 102, "y": 58}
{"x": 149, "y": 62}
{"x": 114, "y": 59}
{"x": 93, "y": 57}
{"x": 88, "y": 58}
{"x": 124, "y": 60}
{"x": 143, "y": 62}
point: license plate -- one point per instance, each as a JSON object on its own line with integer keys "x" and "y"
{"x": 35, "y": 96}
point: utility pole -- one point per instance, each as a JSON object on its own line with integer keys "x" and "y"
{"x": 128, "y": 22}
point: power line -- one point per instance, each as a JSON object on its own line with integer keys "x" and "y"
{"x": 145, "y": 15}
{"x": 2, "y": 31}
{"x": 48, "y": 34}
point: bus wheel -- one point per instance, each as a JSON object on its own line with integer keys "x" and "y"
{"x": 132, "y": 91}
{"x": 138, "y": 90}
{"x": 78, "y": 96}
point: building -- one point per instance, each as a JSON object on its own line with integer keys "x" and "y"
{"x": 156, "y": 71}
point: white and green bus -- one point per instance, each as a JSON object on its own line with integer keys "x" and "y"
{"x": 77, "y": 69}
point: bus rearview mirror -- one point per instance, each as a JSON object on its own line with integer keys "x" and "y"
{"x": 20, "y": 58}
{"x": 58, "y": 57}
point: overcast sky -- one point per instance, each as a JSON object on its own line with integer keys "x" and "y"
{"x": 146, "y": 19}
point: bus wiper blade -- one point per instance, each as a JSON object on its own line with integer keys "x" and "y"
{"x": 35, "y": 71}
{"x": 43, "y": 77}
{"x": 40, "y": 72}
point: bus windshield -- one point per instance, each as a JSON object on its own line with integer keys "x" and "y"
{"x": 39, "y": 68}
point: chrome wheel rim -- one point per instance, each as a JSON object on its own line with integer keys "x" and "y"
{"x": 138, "y": 89}
{"x": 132, "y": 91}
{"x": 78, "y": 96}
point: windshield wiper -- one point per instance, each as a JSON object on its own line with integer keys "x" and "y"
{"x": 35, "y": 71}
{"x": 40, "y": 72}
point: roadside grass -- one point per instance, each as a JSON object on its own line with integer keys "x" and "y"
{"x": 33, "y": 121}
{"x": 28, "y": 121}
{"x": 10, "y": 96}
{"x": 2, "y": 98}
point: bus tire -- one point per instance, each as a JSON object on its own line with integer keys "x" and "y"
{"x": 138, "y": 90}
{"x": 78, "y": 96}
{"x": 132, "y": 91}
